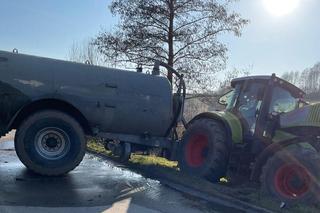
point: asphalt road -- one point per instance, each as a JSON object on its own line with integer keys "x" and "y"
{"x": 95, "y": 186}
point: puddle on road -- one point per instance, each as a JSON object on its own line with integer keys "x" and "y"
{"x": 128, "y": 182}
{"x": 95, "y": 182}
{"x": 92, "y": 183}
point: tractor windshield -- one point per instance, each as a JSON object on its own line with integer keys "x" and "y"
{"x": 229, "y": 99}
{"x": 232, "y": 97}
{"x": 249, "y": 102}
{"x": 245, "y": 101}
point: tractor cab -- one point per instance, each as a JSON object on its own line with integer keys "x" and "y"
{"x": 257, "y": 100}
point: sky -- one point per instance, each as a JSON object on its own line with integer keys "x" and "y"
{"x": 271, "y": 43}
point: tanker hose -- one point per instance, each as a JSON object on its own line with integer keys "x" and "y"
{"x": 178, "y": 116}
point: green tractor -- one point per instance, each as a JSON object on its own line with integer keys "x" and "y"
{"x": 267, "y": 134}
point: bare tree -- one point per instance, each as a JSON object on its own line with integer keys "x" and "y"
{"x": 234, "y": 73}
{"x": 183, "y": 33}
{"x": 85, "y": 51}
{"x": 308, "y": 79}
{"x": 208, "y": 100}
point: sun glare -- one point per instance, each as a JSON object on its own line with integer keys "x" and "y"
{"x": 281, "y": 7}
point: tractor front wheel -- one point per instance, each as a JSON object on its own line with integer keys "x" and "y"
{"x": 203, "y": 150}
{"x": 292, "y": 176}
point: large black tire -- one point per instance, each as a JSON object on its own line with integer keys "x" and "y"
{"x": 292, "y": 175}
{"x": 50, "y": 143}
{"x": 203, "y": 150}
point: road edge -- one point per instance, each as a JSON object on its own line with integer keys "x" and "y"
{"x": 196, "y": 192}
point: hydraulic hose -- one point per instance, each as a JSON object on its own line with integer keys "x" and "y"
{"x": 178, "y": 116}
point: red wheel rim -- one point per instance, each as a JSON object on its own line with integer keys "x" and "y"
{"x": 196, "y": 150}
{"x": 292, "y": 181}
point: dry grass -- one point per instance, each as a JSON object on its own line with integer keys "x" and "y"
{"x": 146, "y": 160}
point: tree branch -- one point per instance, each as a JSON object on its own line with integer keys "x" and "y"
{"x": 200, "y": 39}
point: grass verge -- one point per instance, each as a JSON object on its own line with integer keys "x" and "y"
{"x": 161, "y": 168}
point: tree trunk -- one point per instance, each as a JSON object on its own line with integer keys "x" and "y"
{"x": 170, "y": 38}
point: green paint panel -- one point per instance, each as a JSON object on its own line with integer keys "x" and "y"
{"x": 306, "y": 116}
{"x": 314, "y": 114}
{"x": 234, "y": 124}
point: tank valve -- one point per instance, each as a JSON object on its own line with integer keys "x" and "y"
{"x": 139, "y": 68}
{"x": 156, "y": 68}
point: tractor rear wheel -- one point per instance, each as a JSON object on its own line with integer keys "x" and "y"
{"x": 292, "y": 176}
{"x": 203, "y": 150}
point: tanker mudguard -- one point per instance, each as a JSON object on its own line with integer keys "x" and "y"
{"x": 111, "y": 100}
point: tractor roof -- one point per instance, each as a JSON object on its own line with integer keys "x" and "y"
{"x": 286, "y": 84}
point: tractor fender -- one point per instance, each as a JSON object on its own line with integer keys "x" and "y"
{"x": 274, "y": 148}
{"x": 230, "y": 122}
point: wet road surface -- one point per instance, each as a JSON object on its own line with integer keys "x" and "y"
{"x": 95, "y": 186}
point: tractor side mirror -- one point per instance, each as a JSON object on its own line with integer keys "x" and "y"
{"x": 224, "y": 99}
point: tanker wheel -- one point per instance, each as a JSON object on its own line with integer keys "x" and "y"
{"x": 50, "y": 143}
{"x": 203, "y": 150}
{"x": 121, "y": 151}
{"x": 292, "y": 176}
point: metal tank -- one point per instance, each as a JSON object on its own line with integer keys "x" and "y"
{"x": 111, "y": 100}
